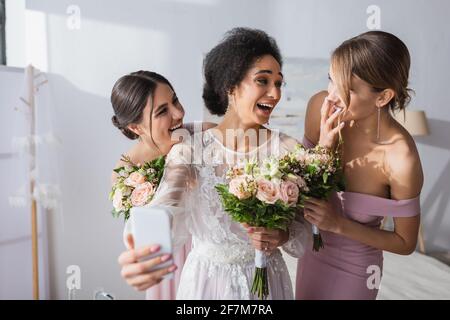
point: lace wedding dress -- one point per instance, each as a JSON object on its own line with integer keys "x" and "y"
{"x": 221, "y": 262}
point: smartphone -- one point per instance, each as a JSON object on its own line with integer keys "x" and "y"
{"x": 149, "y": 226}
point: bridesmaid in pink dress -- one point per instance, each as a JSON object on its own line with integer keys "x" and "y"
{"x": 146, "y": 107}
{"x": 383, "y": 174}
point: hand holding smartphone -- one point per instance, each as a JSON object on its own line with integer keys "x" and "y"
{"x": 151, "y": 226}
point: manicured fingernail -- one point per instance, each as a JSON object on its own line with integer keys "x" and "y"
{"x": 173, "y": 268}
{"x": 165, "y": 257}
{"x": 154, "y": 248}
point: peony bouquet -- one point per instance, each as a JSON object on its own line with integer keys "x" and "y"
{"x": 321, "y": 170}
{"x": 135, "y": 185}
{"x": 262, "y": 196}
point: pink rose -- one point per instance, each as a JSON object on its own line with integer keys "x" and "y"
{"x": 117, "y": 200}
{"x": 289, "y": 192}
{"x": 142, "y": 194}
{"x": 301, "y": 183}
{"x": 240, "y": 187}
{"x": 268, "y": 191}
{"x": 134, "y": 179}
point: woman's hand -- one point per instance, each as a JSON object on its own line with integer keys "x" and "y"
{"x": 266, "y": 239}
{"x": 322, "y": 214}
{"x": 136, "y": 273}
{"x": 328, "y": 116}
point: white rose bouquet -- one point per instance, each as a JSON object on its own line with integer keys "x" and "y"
{"x": 135, "y": 185}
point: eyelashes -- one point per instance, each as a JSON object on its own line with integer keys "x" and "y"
{"x": 163, "y": 111}
{"x": 175, "y": 102}
{"x": 264, "y": 82}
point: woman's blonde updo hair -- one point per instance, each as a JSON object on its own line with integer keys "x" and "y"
{"x": 380, "y": 59}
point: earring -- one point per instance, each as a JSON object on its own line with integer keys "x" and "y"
{"x": 378, "y": 124}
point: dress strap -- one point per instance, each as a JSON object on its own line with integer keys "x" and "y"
{"x": 378, "y": 206}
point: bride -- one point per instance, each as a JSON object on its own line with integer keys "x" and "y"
{"x": 243, "y": 82}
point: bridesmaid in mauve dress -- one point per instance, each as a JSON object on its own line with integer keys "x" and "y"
{"x": 382, "y": 170}
{"x": 342, "y": 269}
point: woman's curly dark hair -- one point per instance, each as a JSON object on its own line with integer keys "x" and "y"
{"x": 227, "y": 63}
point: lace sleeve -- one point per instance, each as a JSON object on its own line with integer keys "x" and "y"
{"x": 172, "y": 191}
{"x": 299, "y": 236}
{"x": 300, "y": 229}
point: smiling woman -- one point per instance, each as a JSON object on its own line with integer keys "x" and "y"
{"x": 146, "y": 107}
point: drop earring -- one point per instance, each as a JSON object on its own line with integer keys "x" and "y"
{"x": 378, "y": 124}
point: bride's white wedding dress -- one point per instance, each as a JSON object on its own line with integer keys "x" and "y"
{"x": 221, "y": 262}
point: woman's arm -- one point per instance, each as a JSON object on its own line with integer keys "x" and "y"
{"x": 171, "y": 194}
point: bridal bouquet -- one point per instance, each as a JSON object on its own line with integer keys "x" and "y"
{"x": 135, "y": 185}
{"x": 263, "y": 196}
{"x": 320, "y": 169}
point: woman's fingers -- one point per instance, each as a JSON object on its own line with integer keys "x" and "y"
{"x": 144, "y": 267}
{"x": 338, "y": 128}
{"x": 313, "y": 201}
{"x": 311, "y": 217}
{"x": 260, "y": 237}
{"x": 324, "y": 111}
{"x": 133, "y": 255}
{"x": 263, "y": 230}
{"x": 246, "y": 225}
{"x": 330, "y": 121}
{"x": 263, "y": 245}
{"x": 144, "y": 281}
{"x": 329, "y": 115}
{"x": 130, "y": 241}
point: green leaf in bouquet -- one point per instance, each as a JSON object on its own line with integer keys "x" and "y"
{"x": 117, "y": 170}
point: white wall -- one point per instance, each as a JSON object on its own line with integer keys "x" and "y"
{"x": 117, "y": 37}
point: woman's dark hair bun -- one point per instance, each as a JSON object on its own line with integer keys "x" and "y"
{"x": 129, "y": 97}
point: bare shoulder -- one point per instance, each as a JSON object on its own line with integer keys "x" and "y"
{"x": 208, "y": 125}
{"x": 312, "y": 118}
{"x": 405, "y": 168}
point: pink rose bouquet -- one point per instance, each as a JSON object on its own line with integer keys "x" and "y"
{"x": 261, "y": 195}
{"x": 319, "y": 171}
{"x": 135, "y": 186}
